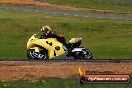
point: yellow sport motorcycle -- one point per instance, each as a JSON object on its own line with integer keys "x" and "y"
{"x": 49, "y": 48}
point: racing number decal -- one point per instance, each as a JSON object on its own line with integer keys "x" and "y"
{"x": 56, "y": 48}
{"x": 54, "y": 53}
{"x": 50, "y": 43}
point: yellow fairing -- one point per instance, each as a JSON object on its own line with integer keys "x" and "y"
{"x": 72, "y": 40}
{"x": 75, "y": 40}
{"x": 49, "y": 44}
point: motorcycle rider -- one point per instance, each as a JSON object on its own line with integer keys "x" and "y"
{"x": 48, "y": 33}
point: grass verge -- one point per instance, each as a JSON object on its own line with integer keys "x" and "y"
{"x": 57, "y": 83}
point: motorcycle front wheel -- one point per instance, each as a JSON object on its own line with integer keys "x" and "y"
{"x": 32, "y": 55}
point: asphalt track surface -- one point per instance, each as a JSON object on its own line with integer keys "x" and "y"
{"x": 92, "y": 15}
{"x": 75, "y": 60}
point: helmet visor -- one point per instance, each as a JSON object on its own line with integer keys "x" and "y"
{"x": 45, "y": 30}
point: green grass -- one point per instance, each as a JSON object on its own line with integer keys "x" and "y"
{"x": 96, "y": 4}
{"x": 121, "y": 2}
{"x": 57, "y": 83}
{"x": 105, "y": 38}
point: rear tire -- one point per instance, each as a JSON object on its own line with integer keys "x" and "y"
{"x": 88, "y": 55}
{"x": 85, "y": 54}
{"x": 78, "y": 55}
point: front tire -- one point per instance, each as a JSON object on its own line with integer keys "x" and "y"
{"x": 32, "y": 55}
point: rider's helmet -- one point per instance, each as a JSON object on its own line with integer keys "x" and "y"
{"x": 46, "y": 29}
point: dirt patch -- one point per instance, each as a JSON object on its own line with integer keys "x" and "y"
{"x": 59, "y": 7}
{"x": 13, "y": 70}
{"x": 41, "y": 4}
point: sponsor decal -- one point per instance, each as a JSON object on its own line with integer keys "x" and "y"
{"x": 96, "y": 78}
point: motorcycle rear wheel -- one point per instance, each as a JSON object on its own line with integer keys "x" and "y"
{"x": 81, "y": 55}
